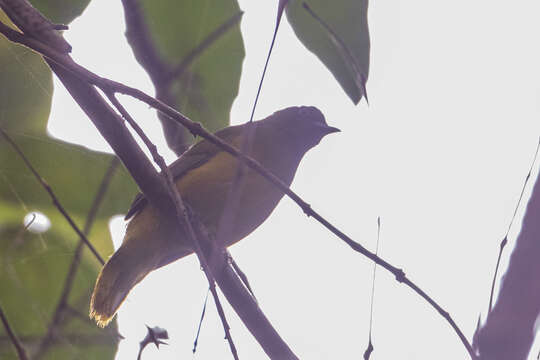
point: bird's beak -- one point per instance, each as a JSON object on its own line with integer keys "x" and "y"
{"x": 330, "y": 130}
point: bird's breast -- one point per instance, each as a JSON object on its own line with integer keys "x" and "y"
{"x": 206, "y": 189}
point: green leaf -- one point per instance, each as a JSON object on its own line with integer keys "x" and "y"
{"x": 33, "y": 267}
{"x": 202, "y": 85}
{"x": 337, "y": 33}
{"x": 73, "y": 171}
{"x": 61, "y": 11}
{"x": 26, "y": 87}
{"x": 26, "y": 91}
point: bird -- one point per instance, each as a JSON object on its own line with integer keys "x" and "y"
{"x": 204, "y": 175}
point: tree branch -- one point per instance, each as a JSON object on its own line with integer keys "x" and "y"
{"x": 182, "y": 215}
{"x": 113, "y": 130}
{"x": 54, "y": 199}
{"x": 62, "y": 304}
{"x": 12, "y": 337}
{"x": 505, "y": 239}
{"x": 197, "y": 129}
{"x": 509, "y": 330}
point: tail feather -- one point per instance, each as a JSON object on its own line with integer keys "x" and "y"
{"x": 119, "y": 275}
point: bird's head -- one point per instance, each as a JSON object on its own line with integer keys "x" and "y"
{"x": 301, "y": 126}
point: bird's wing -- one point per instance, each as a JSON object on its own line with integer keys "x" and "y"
{"x": 194, "y": 157}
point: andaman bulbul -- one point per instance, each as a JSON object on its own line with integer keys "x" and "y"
{"x": 203, "y": 176}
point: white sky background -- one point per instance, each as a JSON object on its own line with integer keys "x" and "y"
{"x": 440, "y": 154}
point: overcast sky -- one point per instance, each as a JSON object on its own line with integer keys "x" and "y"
{"x": 440, "y": 154}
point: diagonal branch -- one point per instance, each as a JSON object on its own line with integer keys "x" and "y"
{"x": 64, "y": 65}
{"x": 233, "y": 197}
{"x": 26, "y": 17}
{"x": 369, "y": 349}
{"x": 54, "y": 199}
{"x": 182, "y": 215}
{"x": 504, "y": 241}
{"x": 281, "y": 7}
{"x": 13, "y": 338}
{"x": 510, "y": 328}
{"x": 62, "y": 305}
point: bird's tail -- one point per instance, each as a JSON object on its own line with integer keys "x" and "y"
{"x": 119, "y": 275}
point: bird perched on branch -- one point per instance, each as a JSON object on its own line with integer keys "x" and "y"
{"x": 204, "y": 175}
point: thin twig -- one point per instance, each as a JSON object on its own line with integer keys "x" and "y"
{"x": 374, "y": 275}
{"x": 203, "y": 312}
{"x": 281, "y": 7}
{"x": 72, "y": 271}
{"x": 197, "y": 129}
{"x": 242, "y": 275}
{"x": 181, "y": 214}
{"x": 52, "y": 195}
{"x": 505, "y": 239}
{"x": 369, "y": 349}
{"x": 26, "y": 17}
{"x": 12, "y": 337}
{"x": 400, "y": 277}
{"x": 204, "y": 45}
{"x": 227, "y": 220}
{"x": 18, "y": 237}
{"x": 203, "y": 234}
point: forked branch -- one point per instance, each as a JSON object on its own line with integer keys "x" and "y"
{"x": 65, "y": 67}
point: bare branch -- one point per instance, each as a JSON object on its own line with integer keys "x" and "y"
{"x": 12, "y": 337}
{"x": 62, "y": 305}
{"x": 505, "y": 239}
{"x": 242, "y": 275}
{"x": 369, "y": 349}
{"x": 181, "y": 214}
{"x": 52, "y": 195}
{"x": 281, "y": 8}
{"x": 107, "y": 85}
{"x": 26, "y": 17}
{"x": 203, "y": 312}
{"x": 509, "y": 330}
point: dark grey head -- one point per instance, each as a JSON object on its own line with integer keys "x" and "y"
{"x": 302, "y": 126}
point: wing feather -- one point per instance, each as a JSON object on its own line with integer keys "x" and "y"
{"x": 194, "y": 157}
